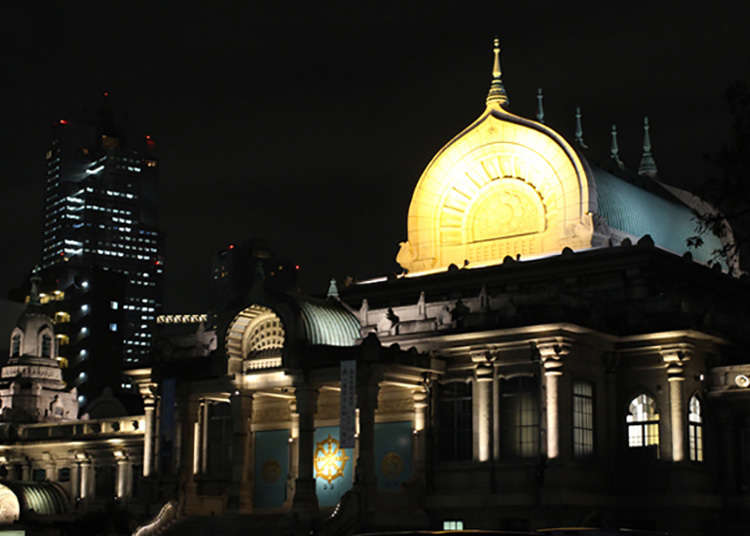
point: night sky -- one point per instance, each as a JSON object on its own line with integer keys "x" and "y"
{"x": 310, "y": 127}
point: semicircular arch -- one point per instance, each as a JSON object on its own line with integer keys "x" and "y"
{"x": 255, "y": 331}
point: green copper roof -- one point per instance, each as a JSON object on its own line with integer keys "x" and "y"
{"x": 43, "y": 498}
{"x": 637, "y": 212}
{"x": 328, "y": 322}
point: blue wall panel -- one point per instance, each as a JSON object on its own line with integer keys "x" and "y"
{"x": 333, "y": 466}
{"x": 393, "y": 454}
{"x": 271, "y": 468}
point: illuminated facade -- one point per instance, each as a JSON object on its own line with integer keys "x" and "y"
{"x": 567, "y": 363}
{"x": 100, "y": 215}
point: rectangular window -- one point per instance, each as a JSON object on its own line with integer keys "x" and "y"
{"x": 583, "y": 419}
{"x": 455, "y": 422}
{"x": 38, "y": 475}
{"x": 114, "y": 305}
{"x": 63, "y": 474}
{"x": 519, "y": 417}
{"x": 113, "y": 326}
{"x": 453, "y": 524}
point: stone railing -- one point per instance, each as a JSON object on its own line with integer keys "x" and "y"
{"x": 113, "y": 426}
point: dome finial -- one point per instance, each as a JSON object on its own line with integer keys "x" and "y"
{"x": 648, "y": 164}
{"x": 614, "y": 151}
{"x": 540, "y": 105}
{"x": 579, "y": 129}
{"x": 34, "y": 298}
{"x": 497, "y": 95}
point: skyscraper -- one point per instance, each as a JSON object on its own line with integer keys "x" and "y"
{"x": 99, "y": 228}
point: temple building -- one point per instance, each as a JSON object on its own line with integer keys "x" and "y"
{"x": 552, "y": 355}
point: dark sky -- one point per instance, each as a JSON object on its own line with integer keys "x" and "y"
{"x": 310, "y": 127}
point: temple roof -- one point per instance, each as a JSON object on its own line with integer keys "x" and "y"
{"x": 328, "y": 322}
{"x": 638, "y": 212}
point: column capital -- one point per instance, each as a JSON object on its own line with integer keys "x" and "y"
{"x": 419, "y": 396}
{"x": 676, "y": 354}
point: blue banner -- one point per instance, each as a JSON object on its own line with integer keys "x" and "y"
{"x": 393, "y": 445}
{"x": 333, "y": 466}
{"x": 271, "y": 468}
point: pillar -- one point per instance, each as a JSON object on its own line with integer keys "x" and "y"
{"x": 243, "y": 459}
{"x": 305, "y": 502}
{"x": 552, "y": 354}
{"x": 420, "y": 434}
{"x": 87, "y": 480}
{"x": 205, "y": 406}
{"x": 148, "y": 436}
{"x": 188, "y": 418}
{"x": 368, "y": 386}
{"x": 121, "y": 483}
{"x": 495, "y": 413}
{"x": 675, "y": 377}
{"x": 293, "y": 448}
{"x": 483, "y": 407}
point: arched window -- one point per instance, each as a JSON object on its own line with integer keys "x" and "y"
{"x": 643, "y": 422}
{"x": 46, "y": 346}
{"x": 519, "y": 417}
{"x": 695, "y": 429}
{"x": 15, "y": 345}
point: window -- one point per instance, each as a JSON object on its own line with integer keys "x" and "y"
{"x": 38, "y": 475}
{"x": 583, "y": 419}
{"x": 113, "y": 326}
{"x": 63, "y": 474}
{"x": 455, "y": 421}
{"x": 114, "y": 305}
{"x": 15, "y": 345}
{"x": 46, "y": 346}
{"x": 453, "y": 524}
{"x": 643, "y": 422}
{"x": 695, "y": 429}
{"x": 519, "y": 417}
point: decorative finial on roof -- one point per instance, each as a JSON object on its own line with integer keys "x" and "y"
{"x": 497, "y": 95}
{"x": 614, "y": 151}
{"x": 34, "y": 298}
{"x": 333, "y": 289}
{"x": 539, "y": 106}
{"x": 648, "y": 164}
{"x": 579, "y": 129}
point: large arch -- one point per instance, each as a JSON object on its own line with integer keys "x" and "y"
{"x": 256, "y": 336}
{"x": 504, "y": 186}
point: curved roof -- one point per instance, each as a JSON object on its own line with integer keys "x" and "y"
{"x": 638, "y": 212}
{"x": 43, "y": 498}
{"x": 328, "y": 322}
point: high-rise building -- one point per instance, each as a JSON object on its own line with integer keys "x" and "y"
{"x": 100, "y": 227}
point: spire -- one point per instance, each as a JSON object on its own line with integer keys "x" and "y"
{"x": 34, "y": 298}
{"x": 497, "y": 95}
{"x": 648, "y": 164}
{"x": 579, "y": 129}
{"x": 614, "y": 152}
{"x": 333, "y": 289}
{"x": 539, "y": 106}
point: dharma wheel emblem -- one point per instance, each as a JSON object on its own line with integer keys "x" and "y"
{"x": 330, "y": 459}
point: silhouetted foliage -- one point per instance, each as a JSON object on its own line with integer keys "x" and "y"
{"x": 729, "y": 190}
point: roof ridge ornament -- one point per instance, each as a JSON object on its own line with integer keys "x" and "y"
{"x": 497, "y": 96}
{"x": 333, "y": 289}
{"x": 648, "y": 164}
{"x": 614, "y": 151}
{"x": 540, "y": 106}
{"x": 579, "y": 129}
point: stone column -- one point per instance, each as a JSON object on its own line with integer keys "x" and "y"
{"x": 483, "y": 407}
{"x": 675, "y": 378}
{"x": 148, "y": 435}
{"x": 495, "y": 413}
{"x": 293, "y": 449}
{"x": 205, "y": 405}
{"x": 121, "y": 485}
{"x": 368, "y": 386}
{"x": 420, "y": 435}
{"x": 552, "y": 354}
{"x": 243, "y": 456}
{"x": 75, "y": 481}
{"x": 188, "y": 418}
{"x": 87, "y": 481}
{"x": 305, "y": 502}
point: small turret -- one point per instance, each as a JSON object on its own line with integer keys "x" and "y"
{"x": 648, "y": 164}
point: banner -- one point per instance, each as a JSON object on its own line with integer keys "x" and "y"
{"x": 393, "y": 454}
{"x": 348, "y": 417}
{"x": 333, "y": 466}
{"x": 271, "y": 468}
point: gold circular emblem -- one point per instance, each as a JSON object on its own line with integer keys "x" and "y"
{"x": 392, "y": 465}
{"x": 330, "y": 459}
{"x": 271, "y": 471}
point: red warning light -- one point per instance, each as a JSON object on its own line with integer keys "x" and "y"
{"x": 106, "y": 93}
{"x": 296, "y": 266}
{"x": 148, "y": 137}
{"x": 231, "y": 246}
{"x": 157, "y": 263}
{"x": 63, "y": 122}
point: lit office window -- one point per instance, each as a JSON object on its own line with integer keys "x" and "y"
{"x": 643, "y": 422}
{"x": 114, "y": 305}
{"x": 695, "y": 429}
{"x": 583, "y": 419}
{"x": 453, "y": 524}
{"x": 113, "y": 326}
